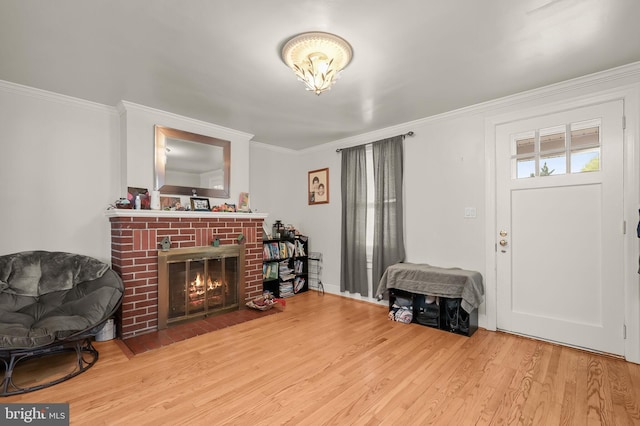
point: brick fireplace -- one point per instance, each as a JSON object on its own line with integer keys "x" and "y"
{"x": 135, "y": 241}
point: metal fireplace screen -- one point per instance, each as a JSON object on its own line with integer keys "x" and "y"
{"x": 197, "y": 285}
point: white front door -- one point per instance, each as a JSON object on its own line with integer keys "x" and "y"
{"x": 559, "y": 218}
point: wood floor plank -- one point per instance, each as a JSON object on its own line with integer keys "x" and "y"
{"x": 599, "y": 400}
{"x": 336, "y": 361}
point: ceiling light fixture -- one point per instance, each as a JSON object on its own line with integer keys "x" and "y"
{"x": 317, "y": 59}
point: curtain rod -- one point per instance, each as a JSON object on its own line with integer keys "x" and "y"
{"x": 403, "y": 136}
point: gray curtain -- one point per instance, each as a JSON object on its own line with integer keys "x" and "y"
{"x": 353, "y": 267}
{"x": 388, "y": 233}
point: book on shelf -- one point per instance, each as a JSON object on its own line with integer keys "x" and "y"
{"x": 271, "y": 251}
{"x": 266, "y": 270}
{"x": 275, "y": 250}
{"x": 298, "y": 284}
{"x": 291, "y": 248}
{"x": 283, "y": 250}
{"x": 286, "y": 289}
{"x": 270, "y": 271}
{"x": 266, "y": 254}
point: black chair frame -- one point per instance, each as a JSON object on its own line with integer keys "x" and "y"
{"x": 80, "y": 343}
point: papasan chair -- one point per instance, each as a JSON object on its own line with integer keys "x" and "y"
{"x": 52, "y": 303}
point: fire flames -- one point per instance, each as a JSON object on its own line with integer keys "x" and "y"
{"x": 198, "y": 288}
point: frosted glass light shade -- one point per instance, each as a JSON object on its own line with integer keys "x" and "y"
{"x": 317, "y": 59}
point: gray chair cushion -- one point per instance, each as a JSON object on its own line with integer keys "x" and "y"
{"x": 49, "y": 296}
{"x": 34, "y": 273}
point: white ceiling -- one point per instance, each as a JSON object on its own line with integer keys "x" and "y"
{"x": 219, "y": 61}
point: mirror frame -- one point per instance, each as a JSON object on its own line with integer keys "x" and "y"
{"x": 161, "y": 134}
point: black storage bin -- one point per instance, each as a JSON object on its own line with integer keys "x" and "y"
{"x": 426, "y": 313}
{"x": 447, "y": 314}
{"x": 455, "y": 319}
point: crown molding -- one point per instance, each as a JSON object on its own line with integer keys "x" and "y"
{"x": 9, "y": 87}
{"x": 622, "y": 73}
{"x": 274, "y": 148}
{"x": 124, "y": 106}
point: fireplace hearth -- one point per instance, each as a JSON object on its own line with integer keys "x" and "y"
{"x": 135, "y": 242}
{"x": 195, "y": 283}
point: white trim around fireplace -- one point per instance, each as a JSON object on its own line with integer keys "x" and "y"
{"x": 187, "y": 214}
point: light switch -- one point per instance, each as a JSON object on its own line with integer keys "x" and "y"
{"x": 469, "y": 212}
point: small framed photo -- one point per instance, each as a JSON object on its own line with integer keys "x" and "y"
{"x": 143, "y": 193}
{"x": 170, "y": 203}
{"x": 319, "y": 186}
{"x": 200, "y": 204}
{"x": 243, "y": 202}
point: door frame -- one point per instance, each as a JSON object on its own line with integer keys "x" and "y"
{"x": 630, "y": 96}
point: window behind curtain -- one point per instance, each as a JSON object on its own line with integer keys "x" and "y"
{"x": 389, "y": 208}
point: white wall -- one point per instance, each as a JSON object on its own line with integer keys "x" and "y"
{"x": 64, "y": 160}
{"x": 277, "y": 177}
{"x": 58, "y": 172}
{"x": 448, "y": 168}
{"x": 138, "y": 142}
{"x": 444, "y": 173}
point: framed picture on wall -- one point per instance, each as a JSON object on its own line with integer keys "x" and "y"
{"x": 319, "y": 186}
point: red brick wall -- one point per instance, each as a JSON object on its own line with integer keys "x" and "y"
{"x": 134, "y": 255}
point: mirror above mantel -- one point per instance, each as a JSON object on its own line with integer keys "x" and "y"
{"x": 191, "y": 164}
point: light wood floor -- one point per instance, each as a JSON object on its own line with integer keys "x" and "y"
{"x": 331, "y": 360}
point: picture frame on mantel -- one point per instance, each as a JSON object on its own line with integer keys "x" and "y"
{"x": 143, "y": 193}
{"x": 200, "y": 204}
{"x": 170, "y": 203}
{"x": 318, "y": 181}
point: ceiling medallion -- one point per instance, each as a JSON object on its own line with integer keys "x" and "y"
{"x": 317, "y": 59}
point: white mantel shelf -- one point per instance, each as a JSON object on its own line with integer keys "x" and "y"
{"x": 184, "y": 214}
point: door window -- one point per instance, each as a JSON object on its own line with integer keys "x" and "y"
{"x": 558, "y": 150}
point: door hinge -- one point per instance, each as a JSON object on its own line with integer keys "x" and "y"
{"x": 624, "y": 331}
{"x": 624, "y": 122}
{"x": 624, "y": 227}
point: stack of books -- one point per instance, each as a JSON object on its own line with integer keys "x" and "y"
{"x": 286, "y": 273}
{"x": 286, "y": 289}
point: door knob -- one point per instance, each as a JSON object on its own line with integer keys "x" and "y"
{"x": 503, "y": 243}
{"x": 503, "y": 233}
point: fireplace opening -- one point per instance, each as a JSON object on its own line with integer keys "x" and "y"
{"x": 198, "y": 282}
